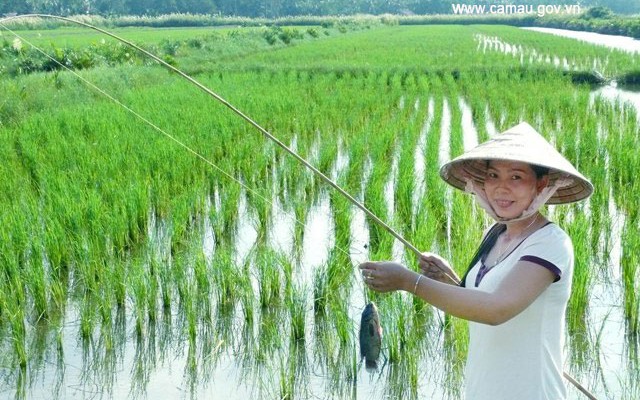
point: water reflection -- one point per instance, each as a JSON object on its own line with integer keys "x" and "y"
{"x": 522, "y": 53}
{"x": 612, "y": 41}
{"x": 469, "y": 132}
{"x": 627, "y": 94}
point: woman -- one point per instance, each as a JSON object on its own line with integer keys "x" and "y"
{"x": 517, "y": 287}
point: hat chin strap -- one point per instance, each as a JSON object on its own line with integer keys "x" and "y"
{"x": 542, "y": 197}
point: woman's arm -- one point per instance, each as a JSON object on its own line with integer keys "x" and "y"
{"x": 516, "y": 292}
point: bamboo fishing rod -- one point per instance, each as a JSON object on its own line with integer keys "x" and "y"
{"x": 266, "y": 133}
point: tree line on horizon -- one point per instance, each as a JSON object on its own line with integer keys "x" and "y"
{"x": 279, "y": 8}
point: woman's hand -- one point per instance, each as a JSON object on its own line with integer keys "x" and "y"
{"x": 386, "y": 276}
{"x": 435, "y": 267}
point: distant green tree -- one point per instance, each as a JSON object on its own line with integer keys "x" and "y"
{"x": 108, "y": 7}
{"x": 248, "y": 8}
{"x": 278, "y": 8}
{"x": 140, "y": 7}
{"x": 57, "y": 7}
{"x": 598, "y": 12}
{"x": 621, "y": 6}
{"x": 195, "y": 6}
{"x": 15, "y": 6}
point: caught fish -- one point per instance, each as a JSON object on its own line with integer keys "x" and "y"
{"x": 370, "y": 336}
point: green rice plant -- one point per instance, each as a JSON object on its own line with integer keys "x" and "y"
{"x": 300, "y": 213}
{"x": 58, "y": 296}
{"x": 594, "y": 157}
{"x": 287, "y": 381}
{"x": 405, "y": 183}
{"x": 380, "y": 243}
{"x": 431, "y": 205}
{"x": 466, "y": 220}
{"x": 269, "y": 335}
{"x": 193, "y": 368}
{"x": 468, "y": 225}
{"x": 248, "y": 297}
{"x": 21, "y": 384}
{"x": 143, "y": 362}
{"x": 87, "y": 318}
{"x": 395, "y": 334}
{"x": 631, "y": 277}
{"x": 269, "y": 276}
{"x": 105, "y": 303}
{"x": 402, "y": 381}
{"x": 341, "y": 212}
{"x": 342, "y": 323}
{"x": 161, "y": 280}
{"x": 288, "y": 265}
{"x": 183, "y": 221}
{"x": 184, "y": 279}
{"x": 190, "y": 318}
{"x": 577, "y": 228}
{"x": 139, "y": 295}
{"x": 583, "y": 347}
{"x": 334, "y": 338}
{"x": 339, "y": 277}
{"x": 202, "y": 278}
{"x": 324, "y": 342}
{"x": 356, "y": 167}
{"x": 35, "y": 281}
{"x": 16, "y": 319}
{"x": 226, "y": 282}
{"x": 627, "y": 162}
{"x": 455, "y": 349}
{"x": 225, "y": 216}
{"x": 478, "y": 104}
{"x": 406, "y": 341}
{"x": 263, "y": 211}
{"x": 225, "y": 334}
{"x": 327, "y": 158}
{"x": 297, "y": 304}
{"x": 321, "y": 292}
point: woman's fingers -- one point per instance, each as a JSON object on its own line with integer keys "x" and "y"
{"x": 368, "y": 272}
{"x": 430, "y": 257}
{"x": 381, "y": 276}
{"x": 368, "y": 276}
{"x": 435, "y": 267}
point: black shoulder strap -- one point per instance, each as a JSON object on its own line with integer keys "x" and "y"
{"x": 487, "y": 243}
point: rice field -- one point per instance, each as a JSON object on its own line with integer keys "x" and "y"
{"x": 132, "y": 268}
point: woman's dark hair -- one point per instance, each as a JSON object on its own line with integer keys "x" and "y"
{"x": 539, "y": 170}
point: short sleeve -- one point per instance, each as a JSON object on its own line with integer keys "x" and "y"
{"x": 550, "y": 248}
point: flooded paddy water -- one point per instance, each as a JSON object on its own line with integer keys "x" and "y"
{"x": 624, "y": 43}
{"x": 269, "y": 305}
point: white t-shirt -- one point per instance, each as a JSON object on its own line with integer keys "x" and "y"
{"x": 522, "y": 359}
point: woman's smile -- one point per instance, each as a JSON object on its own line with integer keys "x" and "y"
{"x": 503, "y": 203}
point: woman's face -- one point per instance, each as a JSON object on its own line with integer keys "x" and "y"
{"x": 511, "y": 186}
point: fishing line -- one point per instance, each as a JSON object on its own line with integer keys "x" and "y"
{"x": 352, "y": 250}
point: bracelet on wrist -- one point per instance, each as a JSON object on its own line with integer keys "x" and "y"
{"x": 415, "y": 287}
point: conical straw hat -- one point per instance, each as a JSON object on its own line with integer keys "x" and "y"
{"x": 520, "y": 143}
